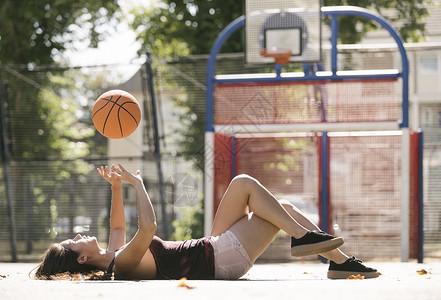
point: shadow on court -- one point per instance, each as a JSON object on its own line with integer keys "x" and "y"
{"x": 263, "y": 281}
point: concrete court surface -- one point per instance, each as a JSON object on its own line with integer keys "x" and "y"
{"x": 294, "y": 280}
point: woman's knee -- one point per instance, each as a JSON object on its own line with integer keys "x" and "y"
{"x": 243, "y": 180}
{"x": 288, "y": 205}
{"x": 285, "y": 203}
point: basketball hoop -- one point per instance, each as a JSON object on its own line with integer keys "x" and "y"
{"x": 294, "y": 25}
{"x": 281, "y": 56}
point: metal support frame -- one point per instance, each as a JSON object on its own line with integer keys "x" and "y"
{"x": 420, "y": 197}
{"x": 156, "y": 137}
{"x": 334, "y": 41}
{"x": 324, "y": 179}
{"x": 334, "y": 13}
{"x": 208, "y": 182}
{"x": 405, "y": 193}
{"x": 6, "y": 177}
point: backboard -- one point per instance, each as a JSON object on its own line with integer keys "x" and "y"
{"x": 282, "y": 26}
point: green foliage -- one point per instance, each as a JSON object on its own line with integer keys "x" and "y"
{"x": 158, "y": 32}
{"x": 34, "y": 31}
{"x": 177, "y": 28}
{"x": 294, "y": 150}
{"x": 40, "y": 108}
{"x": 190, "y": 225}
{"x": 85, "y": 85}
{"x": 42, "y": 105}
{"x": 407, "y": 16}
{"x": 43, "y": 122}
{"x": 42, "y": 111}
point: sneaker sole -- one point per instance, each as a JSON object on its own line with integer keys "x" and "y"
{"x": 316, "y": 248}
{"x": 346, "y": 274}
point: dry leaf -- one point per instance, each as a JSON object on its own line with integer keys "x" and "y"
{"x": 358, "y": 276}
{"x": 422, "y": 272}
{"x": 2, "y": 276}
{"x": 183, "y": 283}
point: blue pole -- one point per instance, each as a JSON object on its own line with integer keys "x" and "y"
{"x": 420, "y": 197}
{"x": 334, "y": 41}
{"x": 324, "y": 199}
{"x": 325, "y": 182}
{"x": 323, "y": 100}
{"x": 220, "y": 40}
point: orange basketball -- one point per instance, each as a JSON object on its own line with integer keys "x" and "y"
{"x": 116, "y": 114}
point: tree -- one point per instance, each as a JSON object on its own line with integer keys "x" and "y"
{"x": 34, "y": 34}
{"x": 189, "y": 226}
{"x": 43, "y": 130}
{"x": 177, "y": 28}
{"x": 35, "y": 31}
{"x": 407, "y": 16}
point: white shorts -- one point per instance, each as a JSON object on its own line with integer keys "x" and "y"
{"x": 231, "y": 260}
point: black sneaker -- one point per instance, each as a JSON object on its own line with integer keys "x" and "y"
{"x": 352, "y": 266}
{"x": 314, "y": 242}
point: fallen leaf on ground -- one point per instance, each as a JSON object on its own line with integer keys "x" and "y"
{"x": 2, "y": 276}
{"x": 358, "y": 276}
{"x": 422, "y": 272}
{"x": 183, "y": 283}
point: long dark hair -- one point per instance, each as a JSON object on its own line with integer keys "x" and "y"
{"x": 59, "y": 261}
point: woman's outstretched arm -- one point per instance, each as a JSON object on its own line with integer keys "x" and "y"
{"x": 132, "y": 254}
{"x": 117, "y": 236}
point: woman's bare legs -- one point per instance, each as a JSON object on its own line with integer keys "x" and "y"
{"x": 256, "y": 230}
{"x": 335, "y": 255}
{"x": 245, "y": 194}
{"x": 352, "y": 267}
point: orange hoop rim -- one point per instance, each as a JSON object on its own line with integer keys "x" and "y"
{"x": 281, "y": 56}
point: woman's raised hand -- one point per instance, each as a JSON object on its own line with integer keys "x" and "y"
{"x": 112, "y": 177}
{"x": 127, "y": 176}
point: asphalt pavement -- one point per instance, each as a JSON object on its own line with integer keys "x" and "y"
{"x": 295, "y": 280}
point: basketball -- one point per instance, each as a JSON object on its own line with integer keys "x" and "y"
{"x": 116, "y": 114}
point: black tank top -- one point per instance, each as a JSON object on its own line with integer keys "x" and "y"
{"x": 193, "y": 259}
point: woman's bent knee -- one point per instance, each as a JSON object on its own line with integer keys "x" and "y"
{"x": 243, "y": 180}
{"x": 286, "y": 204}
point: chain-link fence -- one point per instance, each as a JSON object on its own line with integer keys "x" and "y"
{"x": 49, "y": 187}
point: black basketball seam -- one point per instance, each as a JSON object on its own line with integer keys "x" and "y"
{"x": 102, "y": 106}
{"x": 119, "y": 120}
{"x": 110, "y": 110}
{"x": 109, "y": 101}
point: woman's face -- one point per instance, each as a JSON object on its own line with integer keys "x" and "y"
{"x": 80, "y": 243}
